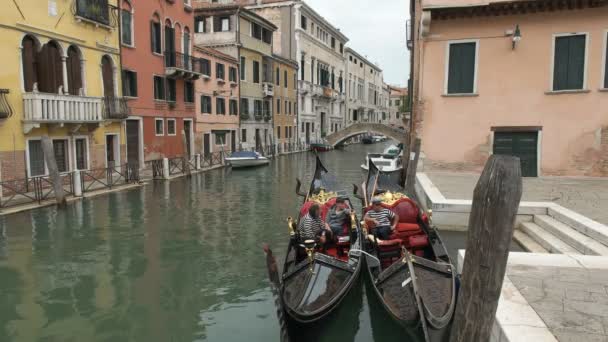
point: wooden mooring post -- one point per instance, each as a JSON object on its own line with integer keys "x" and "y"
{"x": 491, "y": 223}
{"x": 51, "y": 164}
{"x": 186, "y": 161}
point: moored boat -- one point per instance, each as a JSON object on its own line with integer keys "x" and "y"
{"x": 389, "y": 162}
{"x": 411, "y": 272}
{"x": 246, "y": 159}
{"x": 320, "y": 147}
{"x": 314, "y": 280}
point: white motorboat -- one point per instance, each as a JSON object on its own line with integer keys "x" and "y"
{"x": 247, "y": 159}
{"x": 378, "y": 138}
{"x": 389, "y": 161}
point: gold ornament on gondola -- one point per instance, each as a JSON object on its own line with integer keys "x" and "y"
{"x": 309, "y": 247}
{"x": 353, "y": 221}
{"x": 391, "y": 198}
{"x": 323, "y": 196}
{"x": 290, "y": 227}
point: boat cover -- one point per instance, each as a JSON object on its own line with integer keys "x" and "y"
{"x": 245, "y": 154}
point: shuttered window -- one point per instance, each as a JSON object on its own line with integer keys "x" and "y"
{"x": 188, "y": 92}
{"x": 206, "y": 104}
{"x": 50, "y": 69}
{"x": 606, "y": 65}
{"x": 205, "y": 67}
{"x": 74, "y": 71}
{"x": 233, "y": 107}
{"x": 126, "y": 31}
{"x": 461, "y": 68}
{"x": 569, "y": 63}
{"x": 129, "y": 83}
{"x": 232, "y": 74}
{"x": 155, "y": 41}
{"x": 171, "y": 90}
{"x": 28, "y": 59}
{"x": 278, "y": 109}
{"x": 243, "y": 68}
{"x": 81, "y": 153}
{"x": 159, "y": 88}
{"x": 256, "y": 72}
{"x": 60, "y": 148}
{"x": 244, "y": 107}
{"x": 220, "y": 71}
{"x": 220, "y": 106}
{"x": 36, "y": 158}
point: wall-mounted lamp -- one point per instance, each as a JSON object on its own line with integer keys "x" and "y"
{"x": 516, "y": 36}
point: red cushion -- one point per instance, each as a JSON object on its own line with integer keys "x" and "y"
{"x": 394, "y": 243}
{"x": 418, "y": 241}
{"x": 407, "y": 211}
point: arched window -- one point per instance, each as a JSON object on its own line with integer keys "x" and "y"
{"x": 50, "y": 68}
{"x": 169, "y": 44}
{"x": 186, "y": 48}
{"x": 107, "y": 72}
{"x": 155, "y": 32}
{"x": 29, "y": 61}
{"x": 74, "y": 68}
{"x": 126, "y": 23}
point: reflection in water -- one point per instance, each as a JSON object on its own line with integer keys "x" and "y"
{"x": 173, "y": 261}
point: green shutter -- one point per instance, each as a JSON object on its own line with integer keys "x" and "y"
{"x": 569, "y": 63}
{"x": 461, "y": 69}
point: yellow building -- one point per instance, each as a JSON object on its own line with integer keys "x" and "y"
{"x": 60, "y": 77}
{"x": 285, "y": 104}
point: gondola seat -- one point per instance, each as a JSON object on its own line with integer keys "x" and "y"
{"x": 389, "y": 251}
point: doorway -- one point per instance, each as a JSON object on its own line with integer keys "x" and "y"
{"x": 308, "y": 132}
{"x": 107, "y": 73}
{"x": 112, "y": 150}
{"x": 133, "y": 144}
{"x": 206, "y": 145}
{"x": 233, "y": 141}
{"x": 188, "y": 134}
{"x": 519, "y": 144}
{"x": 323, "y": 132}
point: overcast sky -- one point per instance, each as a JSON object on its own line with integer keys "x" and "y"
{"x": 376, "y": 31}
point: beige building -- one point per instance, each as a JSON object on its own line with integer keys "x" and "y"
{"x": 244, "y": 35}
{"x": 364, "y": 89}
{"x": 524, "y": 78}
{"x": 399, "y": 115}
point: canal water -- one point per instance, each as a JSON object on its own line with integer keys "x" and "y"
{"x": 172, "y": 261}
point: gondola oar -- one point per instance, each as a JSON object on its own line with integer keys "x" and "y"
{"x": 275, "y": 285}
{"x": 408, "y": 257}
{"x": 298, "y": 186}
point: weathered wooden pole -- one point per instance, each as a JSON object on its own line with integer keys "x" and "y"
{"x": 51, "y": 164}
{"x": 495, "y": 204}
{"x": 186, "y": 160}
{"x": 412, "y": 166}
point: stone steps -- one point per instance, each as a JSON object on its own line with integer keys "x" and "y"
{"x": 548, "y": 241}
{"x": 528, "y": 243}
{"x": 572, "y": 237}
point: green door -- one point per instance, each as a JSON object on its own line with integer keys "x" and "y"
{"x": 519, "y": 144}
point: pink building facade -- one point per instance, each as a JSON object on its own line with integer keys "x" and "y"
{"x": 525, "y": 78}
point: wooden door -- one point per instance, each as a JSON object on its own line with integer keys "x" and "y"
{"x": 206, "y": 145}
{"x": 74, "y": 71}
{"x": 50, "y": 69}
{"x": 110, "y": 157}
{"x": 133, "y": 143}
{"x": 519, "y": 144}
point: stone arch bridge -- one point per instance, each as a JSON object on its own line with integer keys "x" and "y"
{"x": 337, "y": 138}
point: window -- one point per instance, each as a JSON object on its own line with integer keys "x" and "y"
{"x": 206, "y": 104}
{"x": 278, "y": 77}
{"x": 606, "y": 64}
{"x": 220, "y": 71}
{"x": 220, "y": 106}
{"x": 286, "y": 107}
{"x": 304, "y": 23}
{"x": 221, "y": 24}
{"x": 569, "y": 62}
{"x": 286, "y": 132}
{"x": 256, "y": 72}
{"x": 267, "y": 36}
{"x": 234, "y": 107}
{"x": 295, "y": 109}
{"x": 155, "y": 37}
{"x": 171, "y": 90}
{"x": 171, "y": 129}
{"x": 243, "y": 68}
{"x": 333, "y": 42}
{"x": 200, "y": 24}
{"x": 397, "y": 102}
{"x": 278, "y": 132}
{"x": 278, "y": 106}
{"x": 129, "y": 83}
{"x": 232, "y": 74}
{"x": 341, "y": 48}
{"x": 285, "y": 78}
{"x": 256, "y": 31}
{"x": 302, "y": 127}
{"x": 159, "y": 88}
{"x": 60, "y": 148}
{"x": 126, "y": 22}
{"x": 188, "y": 92}
{"x": 205, "y": 67}
{"x": 36, "y": 158}
{"x": 220, "y": 138}
{"x": 257, "y": 107}
{"x": 159, "y": 127}
{"x": 461, "y": 68}
{"x": 244, "y": 106}
{"x": 243, "y": 135}
{"x": 289, "y": 106}
{"x": 81, "y": 153}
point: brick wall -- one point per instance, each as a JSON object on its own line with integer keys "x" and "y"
{"x": 12, "y": 165}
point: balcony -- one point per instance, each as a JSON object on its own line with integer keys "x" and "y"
{"x": 178, "y": 65}
{"x": 268, "y": 89}
{"x": 321, "y": 91}
{"x": 97, "y": 12}
{"x": 115, "y": 108}
{"x": 304, "y": 87}
{"x": 45, "y": 108}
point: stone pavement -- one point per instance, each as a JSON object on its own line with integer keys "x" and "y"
{"x": 586, "y": 196}
{"x": 572, "y": 302}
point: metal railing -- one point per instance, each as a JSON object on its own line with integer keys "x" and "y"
{"x": 115, "y": 108}
{"x": 181, "y": 61}
{"x": 98, "y": 11}
{"x": 176, "y": 165}
{"x": 32, "y": 190}
{"x": 107, "y": 178}
{"x": 212, "y": 159}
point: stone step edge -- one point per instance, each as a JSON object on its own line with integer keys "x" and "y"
{"x": 571, "y": 236}
{"x": 527, "y": 242}
{"x": 547, "y": 240}
{"x": 583, "y": 224}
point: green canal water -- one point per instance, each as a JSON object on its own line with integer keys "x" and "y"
{"x": 172, "y": 261}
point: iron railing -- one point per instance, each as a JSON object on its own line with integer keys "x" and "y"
{"x": 181, "y": 61}
{"x": 176, "y": 165}
{"x": 212, "y": 159}
{"x": 115, "y": 108}
{"x": 107, "y": 178}
{"x": 32, "y": 190}
{"x": 98, "y": 11}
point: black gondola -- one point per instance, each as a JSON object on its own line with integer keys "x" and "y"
{"x": 411, "y": 273}
{"x": 315, "y": 281}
